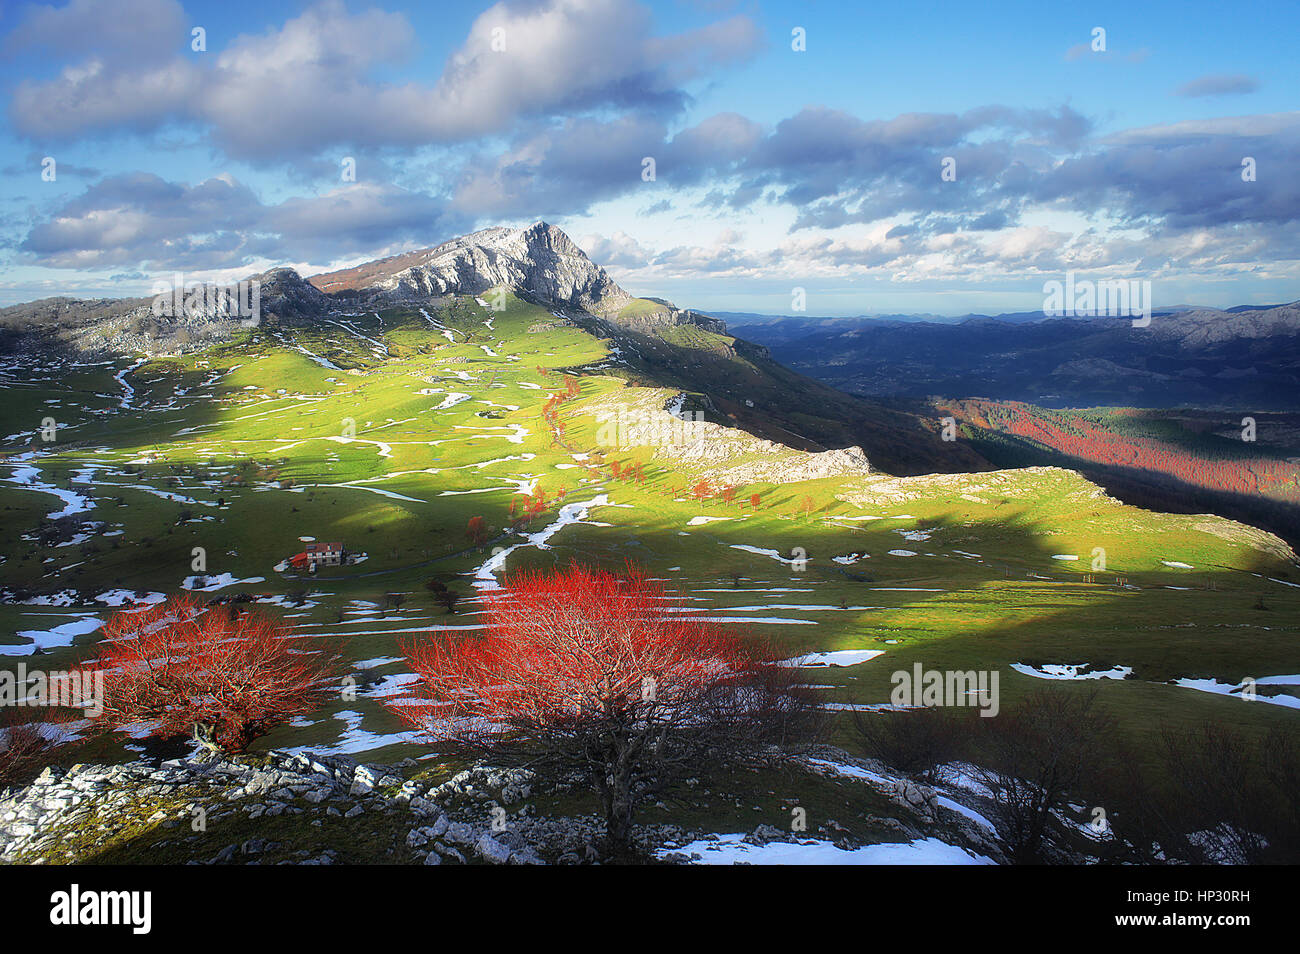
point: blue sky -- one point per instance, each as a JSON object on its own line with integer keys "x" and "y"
{"x": 776, "y": 169}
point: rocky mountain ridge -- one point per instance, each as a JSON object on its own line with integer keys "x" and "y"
{"x": 540, "y": 261}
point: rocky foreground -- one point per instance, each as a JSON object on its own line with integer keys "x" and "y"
{"x": 305, "y": 809}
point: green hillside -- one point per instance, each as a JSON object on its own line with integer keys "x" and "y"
{"x": 390, "y": 432}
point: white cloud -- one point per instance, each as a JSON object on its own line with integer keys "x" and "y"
{"x": 308, "y": 85}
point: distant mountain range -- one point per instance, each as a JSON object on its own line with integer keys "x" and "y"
{"x": 1246, "y": 357}
{"x": 750, "y": 318}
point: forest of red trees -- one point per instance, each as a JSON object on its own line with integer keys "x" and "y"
{"x": 1078, "y": 436}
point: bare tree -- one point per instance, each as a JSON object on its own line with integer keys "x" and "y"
{"x": 1034, "y": 756}
{"x": 1224, "y": 793}
{"x": 915, "y": 742}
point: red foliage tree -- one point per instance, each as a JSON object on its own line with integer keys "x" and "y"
{"x": 584, "y": 672}
{"x": 476, "y": 530}
{"x": 728, "y": 494}
{"x": 755, "y": 500}
{"x": 225, "y": 677}
{"x": 702, "y": 491}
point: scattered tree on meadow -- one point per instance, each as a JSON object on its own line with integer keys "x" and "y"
{"x": 586, "y": 673}
{"x": 476, "y": 531}
{"x": 225, "y": 677}
{"x": 447, "y": 598}
{"x": 755, "y": 500}
{"x": 702, "y": 491}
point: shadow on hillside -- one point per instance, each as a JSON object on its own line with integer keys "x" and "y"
{"x": 1023, "y": 618}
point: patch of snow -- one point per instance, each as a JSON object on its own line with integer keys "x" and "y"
{"x": 1066, "y": 671}
{"x": 841, "y": 657}
{"x": 732, "y": 849}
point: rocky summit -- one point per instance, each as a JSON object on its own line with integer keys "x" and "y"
{"x": 539, "y": 261}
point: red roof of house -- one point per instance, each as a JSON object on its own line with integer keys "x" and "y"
{"x": 324, "y": 548}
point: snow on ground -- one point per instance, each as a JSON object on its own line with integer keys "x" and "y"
{"x": 1227, "y": 689}
{"x": 451, "y": 400}
{"x": 808, "y": 607}
{"x": 385, "y": 450}
{"x": 519, "y": 432}
{"x": 60, "y": 636}
{"x": 772, "y": 554}
{"x": 753, "y": 589}
{"x": 700, "y": 521}
{"x": 850, "y": 770}
{"x": 1064, "y": 556}
{"x": 315, "y": 357}
{"x": 391, "y": 685}
{"x": 850, "y": 558}
{"x": 376, "y": 662}
{"x": 446, "y": 332}
{"x": 216, "y": 582}
{"x": 768, "y": 620}
{"x": 485, "y": 576}
{"x": 1065, "y": 671}
{"x": 391, "y": 494}
{"x": 961, "y": 809}
{"x": 1177, "y": 565}
{"x": 122, "y": 597}
{"x": 353, "y": 738}
{"x": 731, "y": 850}
{"x": 383, "y": 632}
{"x": 841, "y": 657}
{"x": 128, "y": 394}
{"x": 902, "y": 553}
{"x": 28, "y": 477}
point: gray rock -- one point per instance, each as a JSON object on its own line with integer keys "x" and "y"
{"x": 491, "y": 850}
{"x": 459, "y": 833}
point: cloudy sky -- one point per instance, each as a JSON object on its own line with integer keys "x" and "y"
{"x": 215, "y": 138}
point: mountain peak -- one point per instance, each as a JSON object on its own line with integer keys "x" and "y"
{"x": 540, "y": 261}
